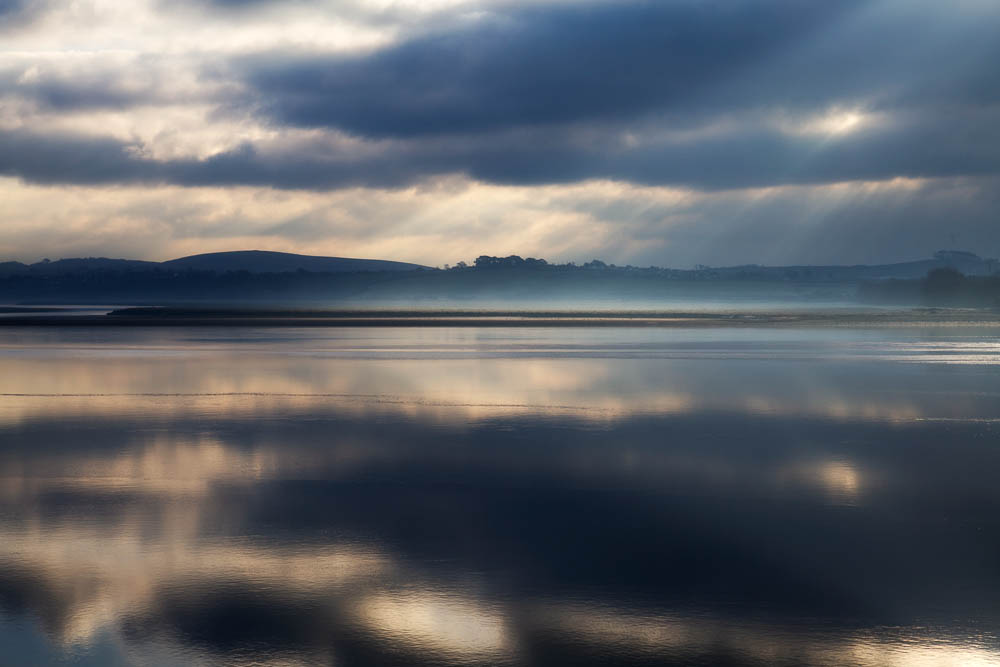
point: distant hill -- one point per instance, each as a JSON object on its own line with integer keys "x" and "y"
{"x": 966, "y": 262}
{"x": 81, "y": 264}
{"x": 283, "y": 278}
{"x": 12, "y": 267}
{"x": 252, "y": 261}
{"x": 262, "y": 261}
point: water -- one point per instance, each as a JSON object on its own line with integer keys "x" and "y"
{"x": 530, "y": 496}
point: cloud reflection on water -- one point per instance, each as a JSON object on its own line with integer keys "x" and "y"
{"x": 825, "y": 373}
{"x": 434, "y": 524}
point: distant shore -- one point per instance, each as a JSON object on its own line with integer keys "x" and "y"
{"x": 248, "y": 317}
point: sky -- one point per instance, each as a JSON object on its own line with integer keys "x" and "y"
{"x": 668, "y": 133}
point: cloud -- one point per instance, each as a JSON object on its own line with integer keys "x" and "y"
{"x": 679, "y": 62}
{"x": 921, "y": 147}
{"x": 70, "y": 159}
{"x": 532, "y": 66}
{"x": 11, "y": 6}
{"x": 710, "y": 96}
{"x": 68, "y": 83}
{"x": 363, "y": 102}
{"x": 14, "y": 14}
{"x": 460, "y": 219}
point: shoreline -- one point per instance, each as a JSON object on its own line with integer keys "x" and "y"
{"x": 178, "y": 317}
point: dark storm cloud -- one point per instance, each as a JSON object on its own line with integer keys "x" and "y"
{"x": 81, "y": 159}
{"x": 62, "y": 95}
{"x": 681, "y": 61}
{"x": 666, "y": 93}
{"x": 87, "y": 82}
{"x": 70, "y": 158}
{"x": 14, "y": 8}
{"x": 535, "y": 66}
{"x": 923, "y": 147}
{"x": 14, "y": 13}
{"x": 11, "y": 6}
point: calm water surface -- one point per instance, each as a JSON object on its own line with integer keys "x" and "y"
{"x": 500, "y": 497}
